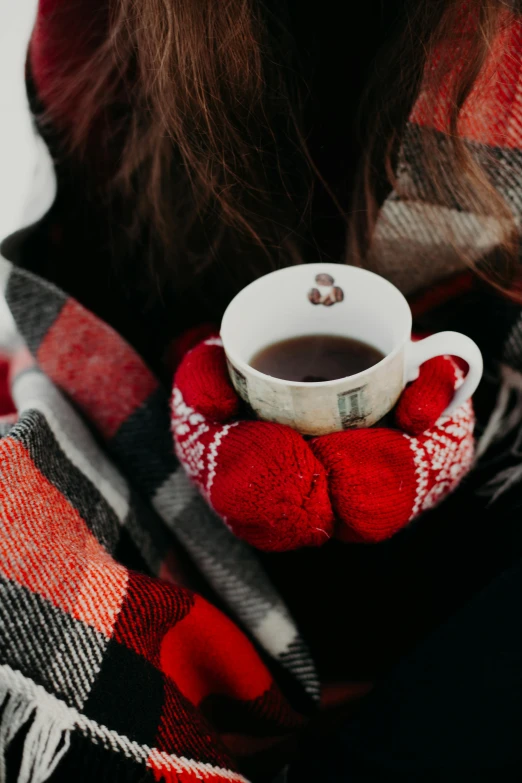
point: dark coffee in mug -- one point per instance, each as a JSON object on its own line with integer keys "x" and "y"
{"x": 298, "y": 300}
{"x": 315, "y": 357}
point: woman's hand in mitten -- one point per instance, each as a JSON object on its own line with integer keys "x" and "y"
{"x": 277, "y": 491}
{"x": 261, "y": 478}
{"x": 380, "y": 479}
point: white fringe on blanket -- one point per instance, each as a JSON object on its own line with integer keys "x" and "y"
{"x": 50, "y": 720}
{"x": 505, "y": 419}
{"x": 47, "y": 738}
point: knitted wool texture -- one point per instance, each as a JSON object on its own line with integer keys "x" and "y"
{"x": 422, "y": 403}
{"x": 278, "y": 491}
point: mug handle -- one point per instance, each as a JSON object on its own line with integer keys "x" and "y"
{"x": 447, "y": 344}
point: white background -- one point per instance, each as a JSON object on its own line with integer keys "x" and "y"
{"x": 17, "y": 145}
{"x": 17, "y": 141}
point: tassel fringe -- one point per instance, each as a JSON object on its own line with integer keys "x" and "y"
{"x": 46, "y": 740}
{"x": 505, "y": 419}
{"x": 48, "y": 723}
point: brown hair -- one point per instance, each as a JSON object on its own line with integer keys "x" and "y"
{"x": 210, "y": 154}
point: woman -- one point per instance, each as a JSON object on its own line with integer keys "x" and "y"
{"x": 197, "y": 146}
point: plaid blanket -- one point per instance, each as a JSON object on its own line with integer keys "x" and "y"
{"x": 108, "y": 655}
{"x": 415, "y": 231}
{"x": 139, "y": 640}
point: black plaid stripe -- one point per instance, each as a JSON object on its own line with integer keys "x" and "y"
{"x": 48, "y": 645}
{"x": 502, "y": 166}
{"x": 143, "y": 444}
{"x": 263, "y": 719}
{"x": 34, "y": 304}
{"x": 148, "y": 532}
{"x": 93, "y": 762}
{"x": 128, "y": 695}
{"x": 130, "y": 555}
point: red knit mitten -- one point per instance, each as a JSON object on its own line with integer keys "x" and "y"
{"x": 423, "y": 402}
{"x": 261, "y": 478}
{"x": 277, "y": 491}
{"x": 381, "y": 479}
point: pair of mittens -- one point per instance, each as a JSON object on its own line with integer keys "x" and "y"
{"x": 278, "y": 491}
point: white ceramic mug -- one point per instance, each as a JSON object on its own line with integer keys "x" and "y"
{"x": 333, "y": 299}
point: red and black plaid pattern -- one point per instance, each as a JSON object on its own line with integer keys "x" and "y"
{"x": 103, "y": 640}
{"x": 419, "y": 230}
{"x": 115, "y": 661}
